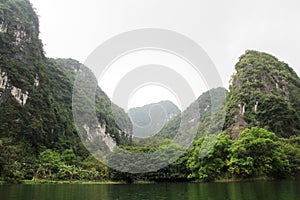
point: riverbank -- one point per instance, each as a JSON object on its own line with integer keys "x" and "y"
{"x": 244, "y": 180}
{"x": 85, "y": 182}
{"x": 78, "y": 182}
{"x": 137, "y": 182}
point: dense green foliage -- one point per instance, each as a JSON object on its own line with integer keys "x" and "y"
{"x": 52, "y": 165}
{"x": 257, "y": 153}
{"x": 214, "y": 164}
{"x": 176, "y": 171}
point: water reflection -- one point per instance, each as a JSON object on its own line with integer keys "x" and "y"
{"x": 267, "y": 190}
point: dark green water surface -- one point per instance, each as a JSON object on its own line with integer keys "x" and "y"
{"x": 262, "y": 190}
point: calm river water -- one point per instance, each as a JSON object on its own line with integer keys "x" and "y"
{"x": 262, "y": 190}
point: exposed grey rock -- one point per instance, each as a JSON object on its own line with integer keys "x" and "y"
{"x": 36, "y": 80}
{"x": 3, "y": 80}
{"x": 19, "y": 95}
{"x": 97, "y": 134}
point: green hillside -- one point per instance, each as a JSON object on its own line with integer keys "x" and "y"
{"x": 264, "y": 92}
{"x": 36, "y": 95}
{"x": 211, "y": 108}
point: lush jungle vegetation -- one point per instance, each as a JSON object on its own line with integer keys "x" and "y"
{"x": 258, "y": 153}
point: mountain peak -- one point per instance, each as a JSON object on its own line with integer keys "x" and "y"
{"x": 262, "y": 89}
{"x": 149, "y": 119}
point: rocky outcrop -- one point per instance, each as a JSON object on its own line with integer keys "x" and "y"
{"x": 237, "y": 126}
{"x": 17, "y": 93}
{"x": 3, "y": 81}
{"x": 36, "y": 80}
{"x": 97, "y": 135}
{"x": 3, "y": 28}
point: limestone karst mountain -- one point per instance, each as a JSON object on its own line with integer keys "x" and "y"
{"x": 264, "y": 92}
{"x": 36, "y": 92}
{"x": 39, "y": 137}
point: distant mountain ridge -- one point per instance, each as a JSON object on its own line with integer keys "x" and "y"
{"x": 149, "y": 119}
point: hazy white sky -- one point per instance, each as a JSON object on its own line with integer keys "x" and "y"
{"x": 224, "y": 29}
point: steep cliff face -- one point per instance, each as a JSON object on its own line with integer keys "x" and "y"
{"x": 36, "y": 92}
{"x": 62, "y": 74}
{"x": 21, "y": 57}
{"x": 264, "y": 92}
{"x": 27, "y": 111}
